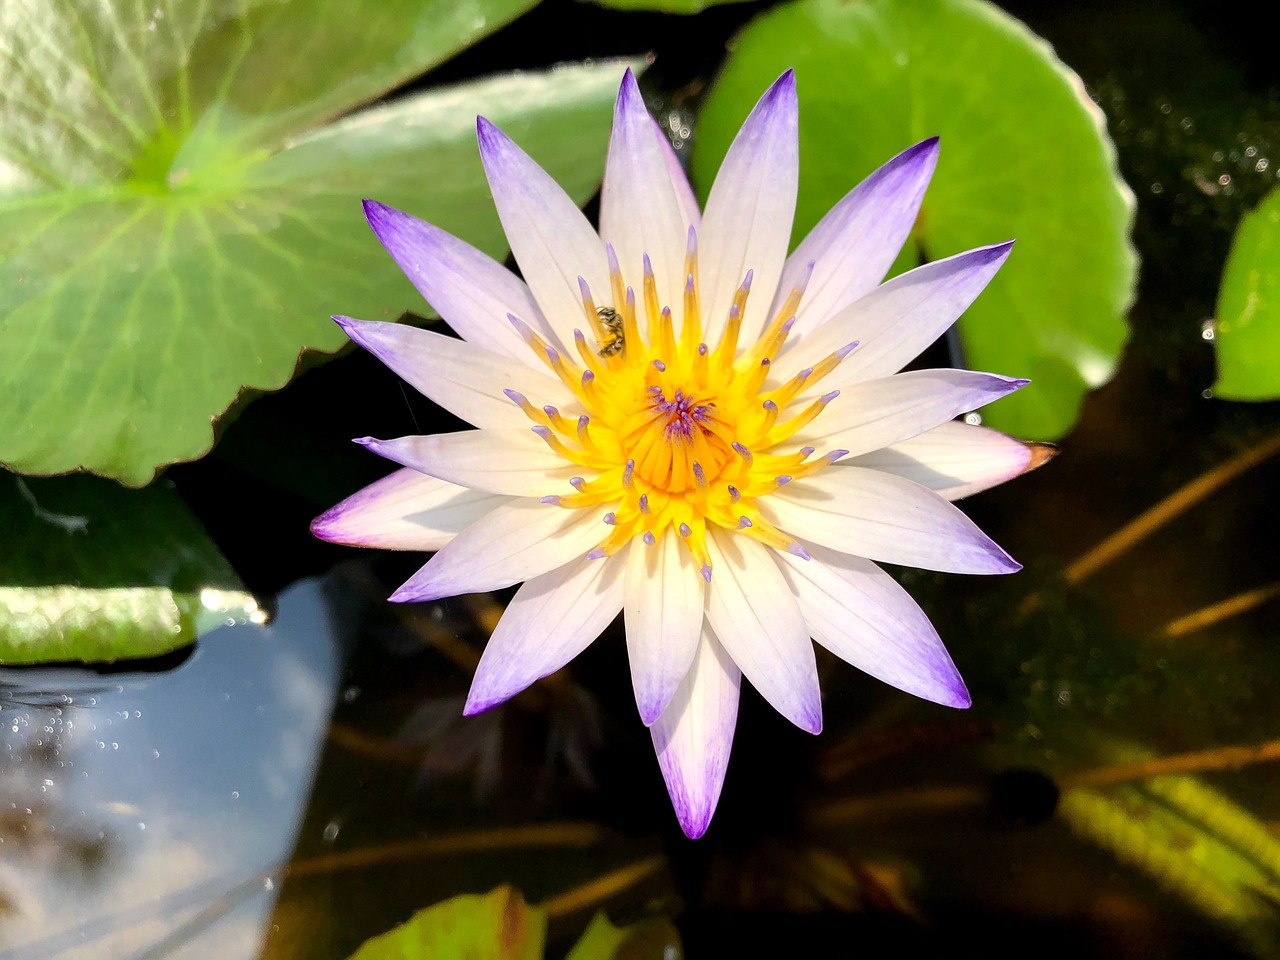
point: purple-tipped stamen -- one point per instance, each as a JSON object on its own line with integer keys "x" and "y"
{"x": 628, "y": 472}
{"x": 835, "y": 455}
{"x": 782, "y": 480}
{"x": 550, "y": 500}
{"x": 702, "y": 349}
{"x": 540, "y": 430}
{"x": 744, "y": 522}
{"x": 684, "y": 530}
{"x": 644, "y": 503}
{"x": 587, "y": 377}
{"x": 734, "y": 494}
{"x": 610, "y": 518}
{"x": 699, "y": 476}
{"x": 649, "y": 539}
{"x": 660, "y": 366}
{"x": 517, "y": 398}
{"x": 577, "y": 483}
{"x": 847, "y": 349}
{"x": 796, "y": 550}
{"x": 806, "y": 452}
{"x": 596, "y": 554}
{"x": 743, "y": 452}
{"x": 828, "y": 397}
{"x": 706, "y": 572}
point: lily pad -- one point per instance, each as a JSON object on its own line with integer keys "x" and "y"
{"x": 177, "y": 223}
{"x": 94, "y": 572}
{"x": 1247, "y": 334}
{"x": 497, "y": 925}
{"x": 1024, "y": 154}
{"x": 666, "y": 6}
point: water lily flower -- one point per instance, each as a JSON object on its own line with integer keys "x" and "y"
{"x": 679, "y": 422}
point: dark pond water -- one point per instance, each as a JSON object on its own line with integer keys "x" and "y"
{"x": 288, "y": 790}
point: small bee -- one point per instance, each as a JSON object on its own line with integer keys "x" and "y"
{"x": 611, "y": 320}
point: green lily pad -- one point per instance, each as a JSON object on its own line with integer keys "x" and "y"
{"x": 1024, "y": 155}
{"x": 647, "y": 940}
{"x": 1247, "y": 334}
{"x": 177, "y": 224}
{"x": 94, "y": 572}
{"x": 497, "y": 925}
{"x": 665, "y": 6}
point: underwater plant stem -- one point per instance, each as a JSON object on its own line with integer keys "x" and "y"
{"x": 594, "y": 892}
{"x": 503, "y": 838}
{"x": 1222, "y": 610}
{"x": 1176, "y": 503}
{"x": 1200, "y": 761}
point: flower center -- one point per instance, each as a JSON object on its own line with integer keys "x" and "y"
{"x": 673, "y": 433}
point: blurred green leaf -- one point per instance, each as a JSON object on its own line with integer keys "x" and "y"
{"x": 1248, "y": 323}
{"x": 1024, "y": 155}
{"x": 666, "y": 6}
{"x": 94, "y": 572}
{"x": 648, "y": 940}
{"x": 497, "y": 925}
{"x": 175, "y": 225}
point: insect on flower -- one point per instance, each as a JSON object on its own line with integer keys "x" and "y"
{"x": 679, "y": 422}
{"x": 612, "y": 338}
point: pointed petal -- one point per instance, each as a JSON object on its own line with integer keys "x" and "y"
{"x": 465, "y": 379}
{"x": 958, "y": 459}
{"x": 685, "y": 198}
{"x": 406, "y": 510}
{"x": 898, "y": 319}
{"x": 861, "y": 614}
{"x": 883, "y": 517}
{"x": 470, "y": 290}
{"x": 694, "y": 734}
{"x": 855, "y": 244}
{"x": 639, "y": 209}
{"x": 747, "y": 221}
{"x": 876, "y": 413}
{"x": 515, "y": 463}
{"x": 752, "y": 611}
{"x": 551, "y": 239}
{"x": 550, "y": 620}
{"x": 663, "y": 618}
{"x": 513, "y": 542}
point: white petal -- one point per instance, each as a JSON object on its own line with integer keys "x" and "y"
{"x": 876, "y": 413}
{"x": 516, "y": 541}
{"x": 550, "y": 238}
{"x": 639, "y": 210}
{"x": 752, "y": 611}
{"x": 898, "y": 319}
{"x": 958, "y": 459}
{"x": 695, "y": 733}
{"x": 515, "y": 463}
{"x": 855, "y": 244}
{"x": 664, "y": 619}
{"x": 468, "y": 288}
{"x": 883, "y": 517}
{"x": 861, "y": 614}
{"x": 406, "y": 510}
{"x": 550, "y": 620}
{"x": 747, "y": 221}
{"x": 688, "y": 203}
{"x": 465, "y": 379}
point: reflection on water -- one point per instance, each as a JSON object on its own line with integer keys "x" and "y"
{"x": 145, "y": 815}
